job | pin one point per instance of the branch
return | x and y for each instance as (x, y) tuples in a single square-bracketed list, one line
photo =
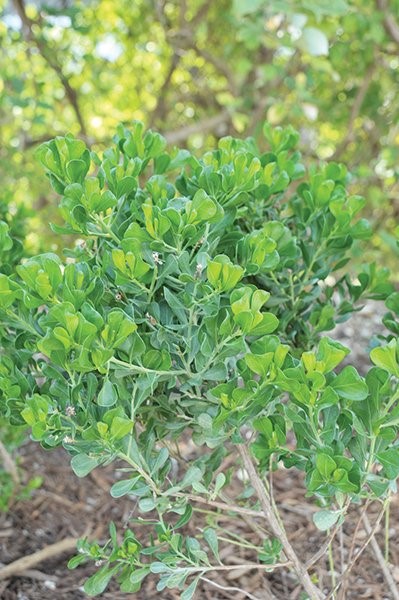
[(159, 110), (390, 25), (203, 126), (49, 57), (356, 107), (201, 13), (274, 523), (220, 65)]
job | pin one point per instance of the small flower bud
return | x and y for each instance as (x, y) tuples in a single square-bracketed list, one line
[(151, 319), (68, 440), (198, 270), (157, 260), (70, 411)]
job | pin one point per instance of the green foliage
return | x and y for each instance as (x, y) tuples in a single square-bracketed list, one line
[(200, 70), (195, 306)]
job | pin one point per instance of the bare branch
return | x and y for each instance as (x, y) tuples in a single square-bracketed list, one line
[(219, 65), (160, 108), (274, 523), (201, 13), (234, 589)]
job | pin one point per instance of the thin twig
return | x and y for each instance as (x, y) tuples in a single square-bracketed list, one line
[(223, 505), (302, 574), (352, 549), (247, 567), (357, 556), (235, 589), (379, 556), (323, 548), (328, 541)]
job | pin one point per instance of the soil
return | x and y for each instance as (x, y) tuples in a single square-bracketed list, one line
[(66, 506)]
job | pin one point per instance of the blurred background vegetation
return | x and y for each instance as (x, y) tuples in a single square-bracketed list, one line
[(198, 70)]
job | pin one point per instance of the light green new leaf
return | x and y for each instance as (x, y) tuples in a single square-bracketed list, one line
[(385, 357)]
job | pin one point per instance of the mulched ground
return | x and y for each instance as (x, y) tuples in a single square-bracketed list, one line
[(67, 506)]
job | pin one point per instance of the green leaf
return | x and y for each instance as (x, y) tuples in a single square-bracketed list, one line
[(186, 516), (77, 560), (82, 464), (325, 519), (121, 427), (193, 475), (385, 357), (390, 461), (259, 363), (147, 504), (123, 487), (97, 583), (211, 539), (325, 465), (107, 395), (76, 170), (349, 385), (314, 41), (331, 353), (268, 324), (159, 567), (139, 574), (190, 591)]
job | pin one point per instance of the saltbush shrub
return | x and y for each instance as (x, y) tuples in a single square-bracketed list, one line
[(183, 330)]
